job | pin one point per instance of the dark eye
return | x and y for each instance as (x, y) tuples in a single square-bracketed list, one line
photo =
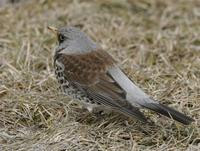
[(61, 38)]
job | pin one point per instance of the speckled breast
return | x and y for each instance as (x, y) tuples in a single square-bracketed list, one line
[(65, 85)]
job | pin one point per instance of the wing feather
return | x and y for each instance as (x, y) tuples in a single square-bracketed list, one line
[(89, 72)]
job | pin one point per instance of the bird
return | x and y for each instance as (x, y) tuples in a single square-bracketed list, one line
[(89, 74)]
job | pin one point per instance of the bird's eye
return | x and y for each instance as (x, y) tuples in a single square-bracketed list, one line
[(61, 38)]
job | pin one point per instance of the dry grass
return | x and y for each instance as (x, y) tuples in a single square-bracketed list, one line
[(156, 42)]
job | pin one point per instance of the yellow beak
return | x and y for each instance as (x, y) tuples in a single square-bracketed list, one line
[(53, 29)]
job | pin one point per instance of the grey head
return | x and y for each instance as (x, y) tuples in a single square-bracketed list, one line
[(73, 41)]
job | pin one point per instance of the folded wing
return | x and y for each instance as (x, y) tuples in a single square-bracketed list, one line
[(89, 74)]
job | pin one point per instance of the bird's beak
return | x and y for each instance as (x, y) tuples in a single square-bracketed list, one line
[(53, 29)]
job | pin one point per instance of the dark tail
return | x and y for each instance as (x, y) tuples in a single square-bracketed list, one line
[(169, 112)]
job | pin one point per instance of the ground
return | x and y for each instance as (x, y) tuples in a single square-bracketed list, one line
[(155, 42)]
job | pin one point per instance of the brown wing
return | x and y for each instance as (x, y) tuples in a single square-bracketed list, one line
[(86, 69), (89, 73)]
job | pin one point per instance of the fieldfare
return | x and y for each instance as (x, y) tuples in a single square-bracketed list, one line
[(90, 75)]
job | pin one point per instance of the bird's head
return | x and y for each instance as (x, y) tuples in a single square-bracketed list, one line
[(72, 40)]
